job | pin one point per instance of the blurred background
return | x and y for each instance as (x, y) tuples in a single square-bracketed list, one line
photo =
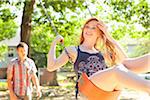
[(26, 20)]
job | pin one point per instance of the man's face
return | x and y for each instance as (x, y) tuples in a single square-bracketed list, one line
[(22, 52)]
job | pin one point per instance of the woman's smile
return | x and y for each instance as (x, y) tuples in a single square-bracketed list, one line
[(88, 33)]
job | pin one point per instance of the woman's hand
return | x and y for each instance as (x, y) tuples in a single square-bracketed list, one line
[(59, 39), (103, 28)]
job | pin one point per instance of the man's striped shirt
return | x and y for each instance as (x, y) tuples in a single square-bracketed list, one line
[(21, 75)]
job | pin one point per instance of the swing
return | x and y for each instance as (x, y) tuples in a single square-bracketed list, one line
[(86, 87)]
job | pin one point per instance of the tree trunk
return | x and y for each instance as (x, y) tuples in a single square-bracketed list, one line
[(26, 22), (26, 32), (48, 78)]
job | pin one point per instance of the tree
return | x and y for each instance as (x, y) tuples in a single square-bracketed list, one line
[(26, 21)]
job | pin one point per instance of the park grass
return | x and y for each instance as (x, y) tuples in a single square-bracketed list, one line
[(3, 86)]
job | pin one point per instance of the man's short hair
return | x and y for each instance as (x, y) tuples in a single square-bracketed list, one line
[(23, 45)]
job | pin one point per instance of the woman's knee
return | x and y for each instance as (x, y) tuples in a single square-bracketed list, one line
[(148, 88), (119, 69)]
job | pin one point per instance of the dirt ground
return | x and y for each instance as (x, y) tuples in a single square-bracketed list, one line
[(67, 93)]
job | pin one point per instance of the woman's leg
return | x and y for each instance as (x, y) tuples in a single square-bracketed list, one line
[(119, 77), (82, 97)]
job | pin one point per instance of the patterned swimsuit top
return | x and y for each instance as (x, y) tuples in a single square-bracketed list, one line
[(89, 63)]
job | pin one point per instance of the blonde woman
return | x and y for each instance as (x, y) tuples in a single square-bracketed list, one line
[(99, 57)]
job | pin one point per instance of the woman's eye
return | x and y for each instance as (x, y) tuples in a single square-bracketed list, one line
[(93, 28), (87, 27)]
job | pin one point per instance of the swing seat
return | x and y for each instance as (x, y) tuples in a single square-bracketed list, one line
[(92, 92)]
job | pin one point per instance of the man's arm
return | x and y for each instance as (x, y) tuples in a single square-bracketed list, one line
[(10, 86), (35, 81)]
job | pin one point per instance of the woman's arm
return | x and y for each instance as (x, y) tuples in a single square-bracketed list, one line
[(139, 65), (55, 63), (103, 27)]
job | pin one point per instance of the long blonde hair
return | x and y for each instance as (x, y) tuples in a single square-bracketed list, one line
[(110, 52)]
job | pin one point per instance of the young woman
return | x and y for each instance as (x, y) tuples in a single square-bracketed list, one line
[(99, 56)]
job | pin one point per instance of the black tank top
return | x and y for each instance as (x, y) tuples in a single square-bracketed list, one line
[(89, 63)]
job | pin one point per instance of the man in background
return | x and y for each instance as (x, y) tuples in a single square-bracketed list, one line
[(20, 72)]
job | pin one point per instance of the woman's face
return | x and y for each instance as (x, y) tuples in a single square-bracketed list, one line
[(91, 30)]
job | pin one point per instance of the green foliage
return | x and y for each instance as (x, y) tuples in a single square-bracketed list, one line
[(124, 10), (43, 35), (8, 26), (130, 13), (7, 29), (3, 50), (125, 18), (6, 14), (66, 22), (40, 42), (40, 58), (141, 49), (61, 5), (41, 38)]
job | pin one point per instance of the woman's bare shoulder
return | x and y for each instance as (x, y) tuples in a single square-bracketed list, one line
[(72, 50)]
